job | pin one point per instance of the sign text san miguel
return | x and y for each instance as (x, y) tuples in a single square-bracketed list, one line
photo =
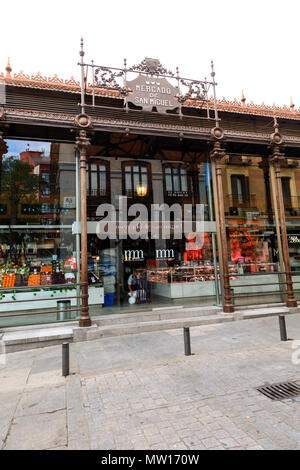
[(149, 93)]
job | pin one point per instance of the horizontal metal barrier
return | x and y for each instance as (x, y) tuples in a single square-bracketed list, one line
[(278, 274), (22, 314)]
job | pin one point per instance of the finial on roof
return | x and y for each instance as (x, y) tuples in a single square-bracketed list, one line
[(243, 99), (81, 52), (8, 69), (213, 73), (292, 106)]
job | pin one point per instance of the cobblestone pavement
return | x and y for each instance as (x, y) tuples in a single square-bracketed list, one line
[(141, 392)]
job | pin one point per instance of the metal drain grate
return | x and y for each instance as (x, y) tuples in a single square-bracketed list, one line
[(280, 391)]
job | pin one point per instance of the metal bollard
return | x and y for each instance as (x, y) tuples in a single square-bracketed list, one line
[(187, 341), (232, 296), (282, 327), (65, 359)]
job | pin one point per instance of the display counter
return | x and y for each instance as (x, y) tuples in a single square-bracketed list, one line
[(183, 281), (199, 281), (183, 289)]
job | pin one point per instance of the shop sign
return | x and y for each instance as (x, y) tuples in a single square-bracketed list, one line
[(165, 254), (138, 255), (133, 255), (193, 255), (148, 93), (178, 193), (293, 239), (70, 202)]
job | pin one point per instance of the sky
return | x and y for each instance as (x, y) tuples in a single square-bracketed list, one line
[(17, 146), (254, 44)]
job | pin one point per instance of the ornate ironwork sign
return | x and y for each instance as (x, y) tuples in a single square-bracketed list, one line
[(149, 93), (149, 86)]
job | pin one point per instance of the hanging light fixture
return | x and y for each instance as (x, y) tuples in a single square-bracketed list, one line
[(141, 189)]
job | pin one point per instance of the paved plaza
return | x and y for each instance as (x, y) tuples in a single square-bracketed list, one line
[(141, 392)]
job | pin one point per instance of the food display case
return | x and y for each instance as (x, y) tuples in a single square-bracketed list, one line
[(183, 281)]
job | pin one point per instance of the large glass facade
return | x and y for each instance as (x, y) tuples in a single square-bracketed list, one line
[(161, 269), (291, 195), (253, 227), (38, 263), (167, 260), (40, 240)]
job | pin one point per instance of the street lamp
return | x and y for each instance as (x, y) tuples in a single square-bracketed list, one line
[(141, 190)]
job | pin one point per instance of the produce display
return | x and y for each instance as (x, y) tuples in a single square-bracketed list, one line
[(34, 280), (36, 274), (9, 280)]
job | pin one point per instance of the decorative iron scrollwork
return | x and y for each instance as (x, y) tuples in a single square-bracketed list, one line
[(152, 67), (196, 91), (106, 78), (153, 89)]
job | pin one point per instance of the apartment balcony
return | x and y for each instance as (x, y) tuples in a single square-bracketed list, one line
[(236, 204), (96, 192), (292, 206)]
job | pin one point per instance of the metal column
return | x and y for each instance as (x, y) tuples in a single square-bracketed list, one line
[(216, 155), (78, 290), (213, 235), (275, 161)]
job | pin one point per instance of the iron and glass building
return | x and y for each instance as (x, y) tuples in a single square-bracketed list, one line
[(69, 148)]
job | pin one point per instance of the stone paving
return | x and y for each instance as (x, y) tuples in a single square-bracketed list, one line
[(141, 392)]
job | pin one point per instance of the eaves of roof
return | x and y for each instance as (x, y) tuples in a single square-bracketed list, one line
[(57, 84)]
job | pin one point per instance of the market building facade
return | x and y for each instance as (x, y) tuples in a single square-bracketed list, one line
[(140, 139)]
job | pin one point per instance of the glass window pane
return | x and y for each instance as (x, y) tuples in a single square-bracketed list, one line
[(144, 179), (94, 167), (168, 183), (128, 169), (94, 184), (136, 180), (102, 182), (45, 177), (184, 183), (176, 183), (144, 169), (102, 168), (128, 182), (168, 170)]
